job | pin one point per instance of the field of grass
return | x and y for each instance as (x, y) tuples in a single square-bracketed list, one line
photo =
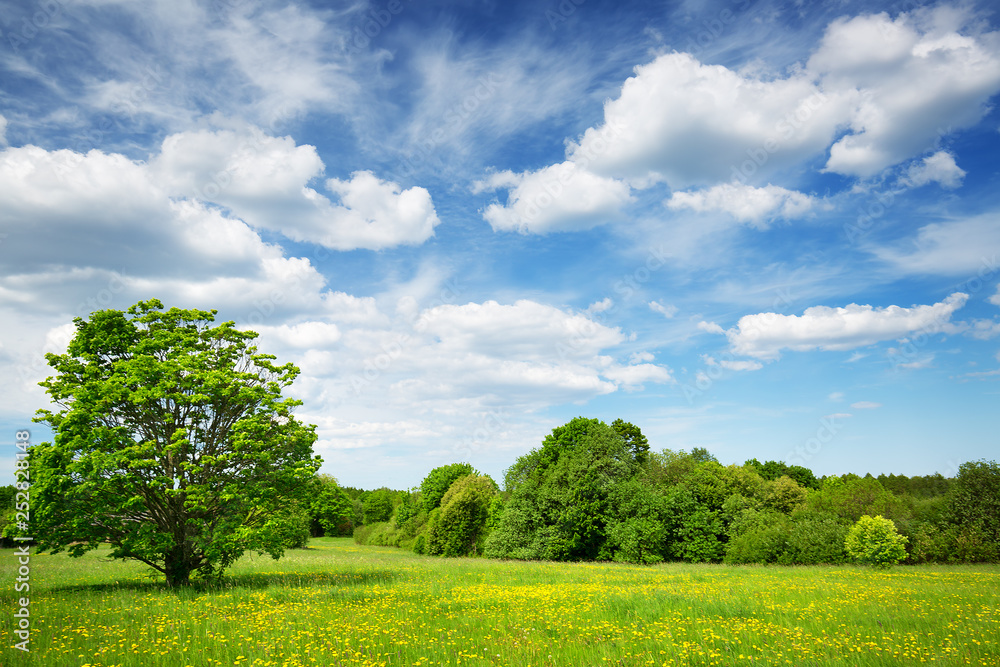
[(340, 604)]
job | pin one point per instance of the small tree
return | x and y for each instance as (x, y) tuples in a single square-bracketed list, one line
[(330, 508), (173, 444), (465, 511), (874, 541)]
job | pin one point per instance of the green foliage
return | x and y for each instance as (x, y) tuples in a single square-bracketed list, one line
[(851, 497), (696, 531), (702, 455), (633, 437), (408, 508), (974, 502), (920, 486), (330, 508), (8, 527), (172, 443), (783, 494), (814, 538), (291, 526), (769, 536), (638, 533), (465, 511), (772, 470), (874, 541), (757, 536), (376, 506), (559, 504), (667, 468), (439, 480), (706, 483)]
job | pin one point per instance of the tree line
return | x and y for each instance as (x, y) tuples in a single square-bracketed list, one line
[(595, 492)]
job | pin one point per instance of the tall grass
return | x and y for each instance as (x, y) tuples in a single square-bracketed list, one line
[(337, 603)]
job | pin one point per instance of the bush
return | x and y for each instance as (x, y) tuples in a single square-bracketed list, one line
[(814, 538), (760, 545), (767, 536), (874, 541), (464, 513), (361, 533), (559, 506), (695, 531)]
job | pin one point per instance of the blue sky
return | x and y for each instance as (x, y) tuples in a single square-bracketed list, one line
[(768, 229)]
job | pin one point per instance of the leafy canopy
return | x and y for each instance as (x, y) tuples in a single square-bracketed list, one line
[(439, 480), (172, 443)]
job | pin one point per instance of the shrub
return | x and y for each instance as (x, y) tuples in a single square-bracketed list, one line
[(814, 538), (874, 541), (463, 516), (760, 545), (361, 533)]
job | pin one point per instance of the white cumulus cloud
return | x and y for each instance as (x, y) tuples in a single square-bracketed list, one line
[(560, 197), (745, 203), (765, 335), (891, 119), (937, 168), (263, 180)]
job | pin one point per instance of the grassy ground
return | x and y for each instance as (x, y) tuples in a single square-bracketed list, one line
[(340, 604)]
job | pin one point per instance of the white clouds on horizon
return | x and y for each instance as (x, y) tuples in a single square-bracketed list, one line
[(765, 335)]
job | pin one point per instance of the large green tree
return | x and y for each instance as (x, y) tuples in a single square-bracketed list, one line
[(172, 443), (560, 495)]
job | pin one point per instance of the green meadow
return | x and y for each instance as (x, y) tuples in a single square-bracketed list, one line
[(337, 603)]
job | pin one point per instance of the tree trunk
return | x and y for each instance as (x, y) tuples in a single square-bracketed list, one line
[(178, 566)]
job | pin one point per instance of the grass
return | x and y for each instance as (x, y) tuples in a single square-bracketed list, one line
[(341, 604)]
